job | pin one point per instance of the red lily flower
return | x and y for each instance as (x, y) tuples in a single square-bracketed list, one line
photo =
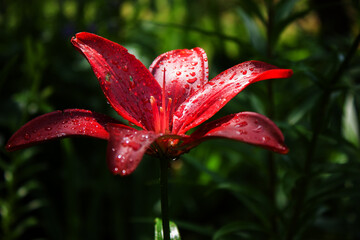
[(166, 101)]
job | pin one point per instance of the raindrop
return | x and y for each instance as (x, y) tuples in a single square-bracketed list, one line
[(193, 74), (232, 76), (108, 77), (123, 171), (125, 68), (191, 80), (178, 73), (242, 124), (132, 84), (258, 129), (244, 72), (48, 129), (211, 83), (194, 63), (27, 136), (241, 132), (179, 114)]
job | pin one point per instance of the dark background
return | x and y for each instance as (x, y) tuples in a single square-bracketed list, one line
[(222, 190)]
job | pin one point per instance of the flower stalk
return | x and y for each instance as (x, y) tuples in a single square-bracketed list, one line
[(164, 196)]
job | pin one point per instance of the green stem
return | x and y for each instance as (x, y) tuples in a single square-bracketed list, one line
[(164, 196)]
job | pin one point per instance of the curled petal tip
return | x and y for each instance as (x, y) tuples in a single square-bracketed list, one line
[(283, 149)]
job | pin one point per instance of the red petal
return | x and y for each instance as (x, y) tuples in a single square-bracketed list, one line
[(126, 82), (127, 147), (208, 100), (248, 127), (59, 124), (186, 70)]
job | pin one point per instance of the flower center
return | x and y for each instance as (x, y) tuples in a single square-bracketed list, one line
[(162, 114)]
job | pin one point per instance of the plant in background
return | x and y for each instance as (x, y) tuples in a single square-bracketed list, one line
[(161, 104)]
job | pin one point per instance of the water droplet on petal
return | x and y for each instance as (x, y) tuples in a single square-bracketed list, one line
[(125, 68), (48, 129), (265, 139), (244, 72), (108, 77), (27, 136), (192, 73), (191, 80), (258, 129), (178, 73), (241, 124)]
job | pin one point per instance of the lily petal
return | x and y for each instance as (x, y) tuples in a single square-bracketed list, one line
[(126, 82), (208, 100), (126, 148), (184, 71), (249, 127), (60, 124)]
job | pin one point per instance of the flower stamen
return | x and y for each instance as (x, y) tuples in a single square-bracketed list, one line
[(155, 111)]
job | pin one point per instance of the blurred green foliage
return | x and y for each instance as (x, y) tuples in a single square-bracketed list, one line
[(223, 190)]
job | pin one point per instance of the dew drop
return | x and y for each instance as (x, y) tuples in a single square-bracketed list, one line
[(48, 129), (193, 74), (132, 84), (258, 129), (194, 63), (179, 114), (241, 124), (178, 73), (244, 72), (192, 80), (232, 76), (108, 77), (125, 68), (27, 136), (241, 132), (123, 171)]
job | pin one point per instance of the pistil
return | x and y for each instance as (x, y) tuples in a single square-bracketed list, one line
[(163, 109)]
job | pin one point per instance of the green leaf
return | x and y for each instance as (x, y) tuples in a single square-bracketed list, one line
[(174, 231), (284, 9), (254, 32), (236, 227), (350, 121)]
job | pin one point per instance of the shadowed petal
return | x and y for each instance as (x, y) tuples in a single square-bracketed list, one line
[(59, 124), (125, 81), (186, 70), (248, 127), (126, 148), (208, 100)]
